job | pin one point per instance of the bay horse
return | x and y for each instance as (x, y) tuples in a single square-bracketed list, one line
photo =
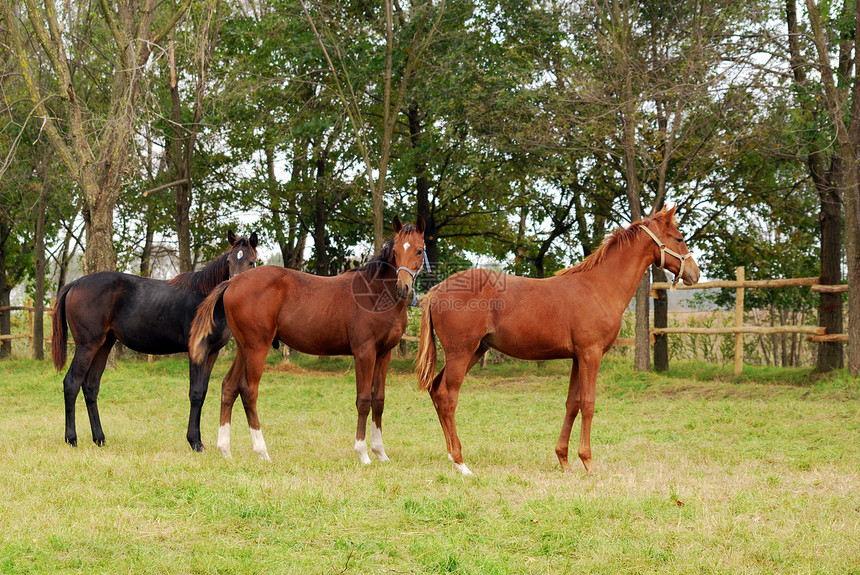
[(361, 312), (575, 314), (146, 315)]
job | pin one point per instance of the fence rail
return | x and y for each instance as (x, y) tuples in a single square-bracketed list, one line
[(29, 335), (815, 334)]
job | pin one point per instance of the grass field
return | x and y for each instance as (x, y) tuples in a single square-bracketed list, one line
[(698, 473)]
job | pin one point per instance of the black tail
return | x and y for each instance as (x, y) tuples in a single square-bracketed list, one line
[(60, 335)]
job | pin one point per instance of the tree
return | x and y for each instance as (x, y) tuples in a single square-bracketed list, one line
[(839, 99), (89, 114)]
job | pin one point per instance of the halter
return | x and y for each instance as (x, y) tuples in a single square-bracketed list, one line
[(418, 271), (664, 249), (415, 273)]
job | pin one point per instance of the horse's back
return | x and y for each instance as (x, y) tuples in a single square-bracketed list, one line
[(310, 313), (521, 317), (146, 315)]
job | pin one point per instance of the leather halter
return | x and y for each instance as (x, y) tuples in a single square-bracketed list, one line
[(418, 271), (664, 249)]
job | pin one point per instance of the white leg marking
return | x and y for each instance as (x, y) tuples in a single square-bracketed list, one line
[(361, 450), (224, 440), (259, 444), (376, 442), (461, 467)]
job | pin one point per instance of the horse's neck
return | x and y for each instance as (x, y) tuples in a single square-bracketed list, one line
[(621, 271)]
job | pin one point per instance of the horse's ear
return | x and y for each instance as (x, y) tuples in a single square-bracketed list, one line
[(397, 224), (253, 240), (420, 224), (670, 212), (231, 237)]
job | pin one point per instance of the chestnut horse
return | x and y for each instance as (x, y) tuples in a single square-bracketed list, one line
[(146, 315), (576, 314), (361, 313)]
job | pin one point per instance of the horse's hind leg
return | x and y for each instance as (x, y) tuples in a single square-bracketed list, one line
[(255, 359), (377, 405), (72, 382), (91, 385), (445, 393)]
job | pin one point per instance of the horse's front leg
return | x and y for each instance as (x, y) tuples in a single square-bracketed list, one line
[(198, 376), (377, 404), (589, 365), (365, 359)]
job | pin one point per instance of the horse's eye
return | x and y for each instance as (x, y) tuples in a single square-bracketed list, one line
[(420, 252)]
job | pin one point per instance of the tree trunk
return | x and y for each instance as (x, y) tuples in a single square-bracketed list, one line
[(321, 215), (852, 252), (642, 353), (830, 354), (39, 288), (98, 222), (422, 197), (64, 260), (5, 291), (146, 253), (661, 319)]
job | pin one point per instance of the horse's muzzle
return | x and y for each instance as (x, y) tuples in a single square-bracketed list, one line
[(402, 290)]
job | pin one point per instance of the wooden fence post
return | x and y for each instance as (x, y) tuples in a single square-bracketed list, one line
[(739, 322), (31, 313)]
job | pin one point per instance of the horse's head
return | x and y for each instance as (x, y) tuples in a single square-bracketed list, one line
[(409, 256), (243, 253), (670, 251)]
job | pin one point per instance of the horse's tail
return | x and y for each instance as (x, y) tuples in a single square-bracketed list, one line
[(60, 335), (426, 365), (201, 327)]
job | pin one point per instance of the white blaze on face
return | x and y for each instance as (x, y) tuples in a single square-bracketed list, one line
[(406, 247), (240, 255)]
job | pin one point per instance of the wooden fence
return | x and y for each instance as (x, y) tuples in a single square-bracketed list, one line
[(31, 313), (814, 333)]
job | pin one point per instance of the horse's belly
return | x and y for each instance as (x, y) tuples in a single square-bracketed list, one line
[(532, 349), (316, 342)]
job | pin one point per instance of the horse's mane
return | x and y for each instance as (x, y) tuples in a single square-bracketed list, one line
[(205, 280), (619, 237), (385, 256)]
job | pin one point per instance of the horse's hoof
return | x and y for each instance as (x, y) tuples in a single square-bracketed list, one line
[(382, 457), (72, 441), (99, 442), (198, 447)]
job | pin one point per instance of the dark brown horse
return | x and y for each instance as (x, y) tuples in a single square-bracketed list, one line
[(576, 314), (361, 313), (146, 315)]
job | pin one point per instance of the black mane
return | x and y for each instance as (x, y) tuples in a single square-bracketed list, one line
[(205, 280), (385, 257)]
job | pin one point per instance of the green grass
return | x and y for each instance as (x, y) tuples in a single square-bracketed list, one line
[(699, 472)]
